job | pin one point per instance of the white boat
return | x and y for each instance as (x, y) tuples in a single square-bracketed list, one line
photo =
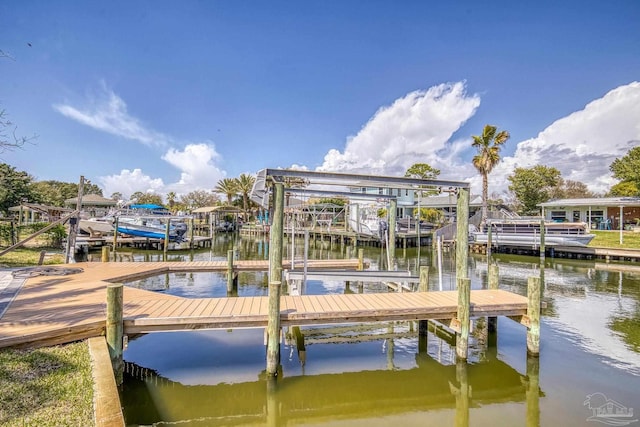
[(97, 226), (151, 221), (150, 227), (526, 233), (364, 219)]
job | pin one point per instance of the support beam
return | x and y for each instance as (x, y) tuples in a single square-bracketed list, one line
[(39, 232)]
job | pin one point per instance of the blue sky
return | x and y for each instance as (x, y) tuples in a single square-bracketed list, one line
[(173, 96)]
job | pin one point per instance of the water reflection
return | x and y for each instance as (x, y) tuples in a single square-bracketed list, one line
[(395, 373), (429, 391)]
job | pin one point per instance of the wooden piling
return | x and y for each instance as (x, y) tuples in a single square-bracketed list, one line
[(273, 329), (462, 234), (489, 242), (230, 271), (360, 259), (166, 236), (105, 254), (462, 337), (542, 241), (115, 328), (115, 236), (41, 259), (393, 209), (276, 234), (533, 313)]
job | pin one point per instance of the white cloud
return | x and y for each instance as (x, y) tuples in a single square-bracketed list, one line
[(416, 126), (129, 182), (198, 165), (109, 114), (583, 144)]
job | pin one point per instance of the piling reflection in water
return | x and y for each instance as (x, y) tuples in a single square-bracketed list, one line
[(431, 390)]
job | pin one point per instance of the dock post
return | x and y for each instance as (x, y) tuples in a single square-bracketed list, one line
[(166, 236), (533, 313), (115, 236), (393, 212), (105, 254), (229, 271), (489, 242), (542, 242), (493, 284), (41, 259), (360, 259), (462, 233), (276, 234), (273, 329), (462, 337), (191, 227), (115, 328)]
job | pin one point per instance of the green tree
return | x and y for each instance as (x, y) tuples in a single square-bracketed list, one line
[(15, 187), (54, 193), (569, 189), (624, 189), (199, 199), (228, 187), (627, 168), (171, 199), (244, 185), (532, 186), (422, 171), (116, 196), (488, 146), (140, 198)]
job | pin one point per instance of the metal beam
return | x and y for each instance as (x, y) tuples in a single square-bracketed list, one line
[(357, 180)]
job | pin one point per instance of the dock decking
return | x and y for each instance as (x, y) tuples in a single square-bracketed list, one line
[(57, 309)]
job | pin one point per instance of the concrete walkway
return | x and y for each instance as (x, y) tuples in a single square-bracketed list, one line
[(9, 288)]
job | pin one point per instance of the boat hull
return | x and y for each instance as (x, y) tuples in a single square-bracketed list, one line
[(498, 239)]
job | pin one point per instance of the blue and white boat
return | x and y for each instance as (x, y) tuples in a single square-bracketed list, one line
[(150, 221)]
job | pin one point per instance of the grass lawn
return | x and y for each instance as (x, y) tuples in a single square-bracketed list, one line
[(611, 239), (23, 257), (49, 386)]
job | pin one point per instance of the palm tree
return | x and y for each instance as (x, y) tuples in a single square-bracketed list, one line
[(488, 146), (244, 185), (228, 187)]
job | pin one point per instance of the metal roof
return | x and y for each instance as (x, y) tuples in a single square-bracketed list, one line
[(596, 201)]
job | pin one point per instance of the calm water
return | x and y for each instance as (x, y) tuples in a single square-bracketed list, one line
[(382, 374)]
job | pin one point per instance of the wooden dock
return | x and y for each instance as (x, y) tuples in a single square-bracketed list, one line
[(63, 308)]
